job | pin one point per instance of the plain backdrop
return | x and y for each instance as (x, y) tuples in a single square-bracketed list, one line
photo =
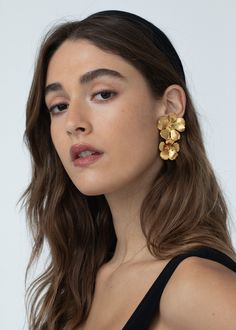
[(203, 33)]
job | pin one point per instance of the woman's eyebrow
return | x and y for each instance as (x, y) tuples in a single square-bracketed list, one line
[(86, 78), (54, 87), (91, 75)]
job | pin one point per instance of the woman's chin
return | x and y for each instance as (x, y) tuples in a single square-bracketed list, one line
[(91, 192), (94, 189), (91, 189)]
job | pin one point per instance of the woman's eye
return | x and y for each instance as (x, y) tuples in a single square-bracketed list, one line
[(104, 95), (56, 108)]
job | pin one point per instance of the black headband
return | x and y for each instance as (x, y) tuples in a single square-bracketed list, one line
[(158, 37)]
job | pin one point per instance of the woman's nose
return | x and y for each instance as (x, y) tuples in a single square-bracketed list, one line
[(77, 120)]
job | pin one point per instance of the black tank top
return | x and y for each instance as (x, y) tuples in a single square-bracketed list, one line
[(143, 315)]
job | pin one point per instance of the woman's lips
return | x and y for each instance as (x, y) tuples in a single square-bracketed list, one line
[(79, 160), (85, 161)]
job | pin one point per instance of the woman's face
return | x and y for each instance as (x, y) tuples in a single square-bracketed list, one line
[(100, 102)]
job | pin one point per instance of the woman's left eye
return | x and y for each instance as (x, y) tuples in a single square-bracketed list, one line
[(104, 95)]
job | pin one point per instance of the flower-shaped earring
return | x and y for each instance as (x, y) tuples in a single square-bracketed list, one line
[(169, 127)]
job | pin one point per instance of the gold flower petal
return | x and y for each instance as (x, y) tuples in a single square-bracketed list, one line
[(162, 123), (161, 146), (174, 135), (164, 154), (173, 156), (176, 145), (172, 117), (172, 153), (180, 124), (165, 134), (170, 141)]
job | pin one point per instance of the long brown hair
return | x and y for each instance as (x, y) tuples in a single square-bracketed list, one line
[(184, 208)]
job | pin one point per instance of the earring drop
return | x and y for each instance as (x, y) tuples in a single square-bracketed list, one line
[(170, 127)]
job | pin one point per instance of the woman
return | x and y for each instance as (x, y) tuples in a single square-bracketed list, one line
[(122, 190)]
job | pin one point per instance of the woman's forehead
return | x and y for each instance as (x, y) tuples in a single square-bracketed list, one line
[(82, 56)]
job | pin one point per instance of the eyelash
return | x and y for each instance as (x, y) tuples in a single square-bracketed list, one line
[(59, 105), (64, 106), (105, 91)]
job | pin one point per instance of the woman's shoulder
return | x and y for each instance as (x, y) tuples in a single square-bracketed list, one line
[(201, 294)]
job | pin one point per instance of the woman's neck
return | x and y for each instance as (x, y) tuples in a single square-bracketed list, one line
[(125, 208)]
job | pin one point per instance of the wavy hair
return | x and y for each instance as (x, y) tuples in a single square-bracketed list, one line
[(183, 209)]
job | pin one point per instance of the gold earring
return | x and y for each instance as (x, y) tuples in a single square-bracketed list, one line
[(169, 127)]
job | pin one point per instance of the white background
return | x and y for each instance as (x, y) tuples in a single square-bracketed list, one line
[(203, 33)]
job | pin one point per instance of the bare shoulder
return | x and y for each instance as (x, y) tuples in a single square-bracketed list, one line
[(201, 294)]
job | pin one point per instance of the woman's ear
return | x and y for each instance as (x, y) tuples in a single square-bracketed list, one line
[(173, 100)]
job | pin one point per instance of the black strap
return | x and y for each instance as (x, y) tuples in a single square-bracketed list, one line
[(143, 314)]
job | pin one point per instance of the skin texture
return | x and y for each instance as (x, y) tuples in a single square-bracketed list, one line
[(123, 126)]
